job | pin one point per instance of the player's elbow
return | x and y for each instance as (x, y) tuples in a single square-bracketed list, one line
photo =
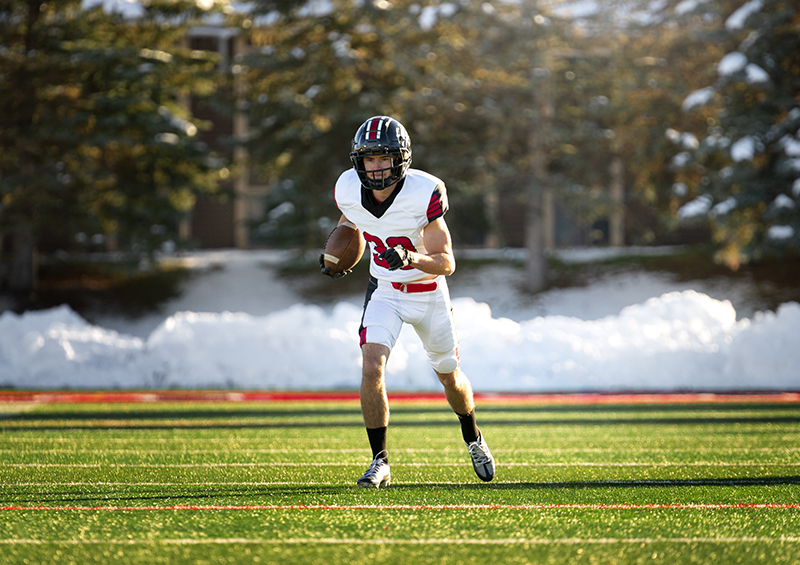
[(437, 264), (449, 266)]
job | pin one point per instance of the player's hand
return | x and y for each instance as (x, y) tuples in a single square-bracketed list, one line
[(397, 257), (325, 270)]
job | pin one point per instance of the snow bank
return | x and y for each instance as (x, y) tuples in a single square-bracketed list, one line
[(679, 341)]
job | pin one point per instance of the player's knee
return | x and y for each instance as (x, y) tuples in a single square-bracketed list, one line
[(372, 371), (448, 380), (373, 362)]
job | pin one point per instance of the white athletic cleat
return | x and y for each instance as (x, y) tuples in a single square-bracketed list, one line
[(377, 475), (482, 460)]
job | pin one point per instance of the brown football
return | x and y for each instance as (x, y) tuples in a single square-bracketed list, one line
[(344, 248)]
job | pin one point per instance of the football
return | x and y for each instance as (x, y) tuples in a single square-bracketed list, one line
[(343, 248)]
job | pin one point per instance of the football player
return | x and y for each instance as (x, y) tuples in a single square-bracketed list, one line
[(400, 212)]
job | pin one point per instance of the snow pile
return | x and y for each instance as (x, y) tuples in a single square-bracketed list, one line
[(679, 341), (57, 348)]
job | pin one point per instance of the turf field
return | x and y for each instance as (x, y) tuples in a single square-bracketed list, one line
[(260, 478)]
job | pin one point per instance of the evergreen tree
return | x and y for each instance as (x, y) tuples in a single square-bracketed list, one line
[(94, 136), (619, 91), (746, 169)]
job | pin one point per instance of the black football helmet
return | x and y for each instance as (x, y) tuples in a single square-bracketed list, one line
[(381, 135)]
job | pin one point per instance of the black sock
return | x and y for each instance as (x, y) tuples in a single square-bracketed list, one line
[(469, 429), (377, 441)]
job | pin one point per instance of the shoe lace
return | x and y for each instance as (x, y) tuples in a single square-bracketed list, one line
[(373, 468), (478, 454)]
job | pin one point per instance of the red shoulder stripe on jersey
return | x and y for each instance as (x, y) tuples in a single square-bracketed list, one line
[(435, 207)]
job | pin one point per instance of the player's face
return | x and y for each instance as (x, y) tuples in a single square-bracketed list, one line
[(381, 164)]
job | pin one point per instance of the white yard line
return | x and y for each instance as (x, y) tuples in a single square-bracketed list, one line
[(359, 463), (427, 541), (176, 484), (381, 507), (415, 450), (638, 482), (676, 439)]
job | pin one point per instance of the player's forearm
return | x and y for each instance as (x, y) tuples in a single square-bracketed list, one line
[(435, 263)]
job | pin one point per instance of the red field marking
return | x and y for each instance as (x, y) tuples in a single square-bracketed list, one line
[(413, 507), (115, 397)]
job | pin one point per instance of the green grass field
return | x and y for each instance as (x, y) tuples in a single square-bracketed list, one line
[(273, 482)]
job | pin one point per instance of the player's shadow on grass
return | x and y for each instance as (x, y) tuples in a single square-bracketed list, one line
[(557, 485), (623, 484), (330, 494)]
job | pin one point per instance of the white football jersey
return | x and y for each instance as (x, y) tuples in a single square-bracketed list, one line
[(399, 220)]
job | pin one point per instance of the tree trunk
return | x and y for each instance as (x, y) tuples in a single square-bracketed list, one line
[(22, 279), (536, 267), (535, 220), (616, 224)]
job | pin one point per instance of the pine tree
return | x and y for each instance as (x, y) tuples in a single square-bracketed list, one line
[(94, 136), (748, 159)]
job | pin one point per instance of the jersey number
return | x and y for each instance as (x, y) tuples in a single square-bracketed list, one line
[(390, 242)]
